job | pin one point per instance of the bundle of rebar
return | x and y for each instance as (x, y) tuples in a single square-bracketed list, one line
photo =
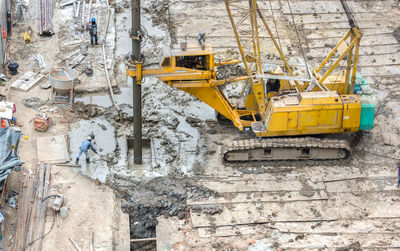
[(46, 17)]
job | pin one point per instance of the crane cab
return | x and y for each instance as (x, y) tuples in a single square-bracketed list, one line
[(190, 64)]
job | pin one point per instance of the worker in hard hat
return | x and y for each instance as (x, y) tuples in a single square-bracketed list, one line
[(86, 144), (93, 30)]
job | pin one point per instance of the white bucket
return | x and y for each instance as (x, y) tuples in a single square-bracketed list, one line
[(84, 49)]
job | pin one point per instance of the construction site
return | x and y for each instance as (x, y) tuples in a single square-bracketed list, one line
[(200, 125)]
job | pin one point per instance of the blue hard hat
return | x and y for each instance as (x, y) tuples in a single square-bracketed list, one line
[(93, 19)]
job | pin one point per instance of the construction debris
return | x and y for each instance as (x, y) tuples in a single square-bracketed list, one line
[(27, 81), (39, 62), (67, 2)]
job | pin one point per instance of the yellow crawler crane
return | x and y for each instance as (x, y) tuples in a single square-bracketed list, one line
[(274, 103)]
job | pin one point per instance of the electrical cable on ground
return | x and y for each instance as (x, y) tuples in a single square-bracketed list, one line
[(43, 236)]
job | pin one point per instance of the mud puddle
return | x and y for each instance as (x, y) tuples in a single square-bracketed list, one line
[(104, 100), (100, 99), (104, 143)]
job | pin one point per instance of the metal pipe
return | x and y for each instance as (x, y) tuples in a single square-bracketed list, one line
[(143, 239), (89, 14), (108, 79), (137, 90)]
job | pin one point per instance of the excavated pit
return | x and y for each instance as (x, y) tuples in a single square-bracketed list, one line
[(173, 147)]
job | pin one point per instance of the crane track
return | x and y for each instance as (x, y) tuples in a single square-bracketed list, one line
[(286, 151)]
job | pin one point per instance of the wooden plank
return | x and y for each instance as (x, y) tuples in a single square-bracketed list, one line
[(75, 244), (340, 206), (25, 206), (230, 186), (368, 225), (316, 173), (375, 50), (357, 226), (367, 241), (43, 209), (245, 213), (17, 245), (29, 203), (70, 164), (91, 241), (366, 41), (143, 239), (362, 185), (252, 197), (31, 235), (52, 149)]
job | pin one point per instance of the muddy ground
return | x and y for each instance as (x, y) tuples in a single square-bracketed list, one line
[(183, 186)]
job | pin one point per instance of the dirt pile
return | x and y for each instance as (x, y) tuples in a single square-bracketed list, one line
[(230, 71), (87, 111)]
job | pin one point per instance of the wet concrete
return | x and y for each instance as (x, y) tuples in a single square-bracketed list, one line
[(100, 99), (104, 143), (103, 98)]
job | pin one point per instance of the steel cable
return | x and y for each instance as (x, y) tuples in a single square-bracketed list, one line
[(298, 37)]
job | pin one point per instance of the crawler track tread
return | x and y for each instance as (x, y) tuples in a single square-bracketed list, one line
[(300, 142)]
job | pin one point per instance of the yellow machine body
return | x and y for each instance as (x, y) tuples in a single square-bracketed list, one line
[(311, 113), (321, 105), (315, 112)]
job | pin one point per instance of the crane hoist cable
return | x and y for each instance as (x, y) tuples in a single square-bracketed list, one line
[(276, 27), (298, 38)]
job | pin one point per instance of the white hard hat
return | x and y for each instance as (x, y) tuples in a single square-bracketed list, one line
[(89, 138)]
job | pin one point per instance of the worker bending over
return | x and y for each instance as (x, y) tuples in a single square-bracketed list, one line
[(93, 30), (86, 144)]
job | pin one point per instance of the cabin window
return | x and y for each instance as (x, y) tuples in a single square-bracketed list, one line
[(166, 62), (192, 62), (273, 85)]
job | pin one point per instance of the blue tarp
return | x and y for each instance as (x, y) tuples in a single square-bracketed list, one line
[(9, 159)]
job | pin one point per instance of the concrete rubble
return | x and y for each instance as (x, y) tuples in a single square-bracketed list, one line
[(183, 194)]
